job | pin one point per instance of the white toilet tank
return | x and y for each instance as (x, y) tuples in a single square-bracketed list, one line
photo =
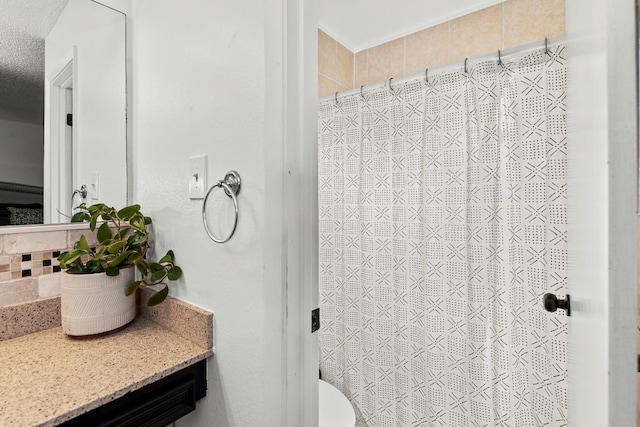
[(334, 408)]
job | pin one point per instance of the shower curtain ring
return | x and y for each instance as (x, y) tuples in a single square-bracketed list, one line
[(499, 58), (426, 75), (336, 98), (390, 88), (465, 66), (361, 95)]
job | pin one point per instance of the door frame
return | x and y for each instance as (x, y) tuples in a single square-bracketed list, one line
[(602, 189), (291, 47), (58, 182)]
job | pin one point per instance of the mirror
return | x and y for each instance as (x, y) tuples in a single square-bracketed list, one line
[(62, 108)]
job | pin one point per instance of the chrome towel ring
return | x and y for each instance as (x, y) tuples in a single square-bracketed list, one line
[(231, 186)]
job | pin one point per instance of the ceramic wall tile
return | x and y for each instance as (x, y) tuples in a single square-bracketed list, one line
[(326, 86), (74, 236), (344, 64), (18, 291), (48, 285), (341, 88), (361, 69), (511, 23), (326, 55), (476, 34), (386, 61), (530, 20), (427, 48), (20, 243)]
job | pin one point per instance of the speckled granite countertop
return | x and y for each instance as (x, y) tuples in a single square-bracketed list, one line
[(47, 377)]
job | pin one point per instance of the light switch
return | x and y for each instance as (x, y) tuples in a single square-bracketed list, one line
[(94, 189), (197, 177)]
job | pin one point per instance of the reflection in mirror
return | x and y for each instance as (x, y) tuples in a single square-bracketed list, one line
[(62, 108)]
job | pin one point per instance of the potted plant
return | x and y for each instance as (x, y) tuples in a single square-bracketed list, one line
[(98, 286)]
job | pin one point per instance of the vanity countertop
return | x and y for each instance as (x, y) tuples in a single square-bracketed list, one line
[(47, 377)]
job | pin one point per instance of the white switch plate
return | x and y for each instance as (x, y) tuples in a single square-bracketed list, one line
[(94, 188), (197, 177)]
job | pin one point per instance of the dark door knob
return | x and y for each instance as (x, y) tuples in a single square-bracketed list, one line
[(552, 303)]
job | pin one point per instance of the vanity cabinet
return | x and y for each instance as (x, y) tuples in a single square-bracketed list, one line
[(150, 373), (155, 405)]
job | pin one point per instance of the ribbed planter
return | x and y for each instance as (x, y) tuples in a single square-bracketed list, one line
[(96, 303)]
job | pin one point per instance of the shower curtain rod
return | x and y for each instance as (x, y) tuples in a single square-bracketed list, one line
[(500, 55)]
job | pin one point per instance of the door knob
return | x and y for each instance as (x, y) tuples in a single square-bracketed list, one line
[(552, 303)]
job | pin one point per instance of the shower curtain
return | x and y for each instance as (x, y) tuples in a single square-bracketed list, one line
[(442, 224)]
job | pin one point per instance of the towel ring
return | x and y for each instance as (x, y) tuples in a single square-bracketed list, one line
[(231, 186)]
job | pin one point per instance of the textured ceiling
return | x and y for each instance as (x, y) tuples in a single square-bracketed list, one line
[(24, 24), (361, 24)]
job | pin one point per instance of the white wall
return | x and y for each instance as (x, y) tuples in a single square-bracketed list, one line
[(22, 152), (99, 96), (199, 88)]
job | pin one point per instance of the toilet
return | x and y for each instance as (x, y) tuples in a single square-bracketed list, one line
[(334, 409)]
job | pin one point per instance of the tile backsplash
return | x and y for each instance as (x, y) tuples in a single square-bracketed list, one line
[(28, 265), (28, 260)]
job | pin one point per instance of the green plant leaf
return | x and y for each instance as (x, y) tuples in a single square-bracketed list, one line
[(158, 297), (80, 217), (128, 212), (94, 220), (82, 244), (156, 267), (174, 273), (135, 256), (132, 287), (115, 247), (69, 257), (120, 258), (100, 252), (93, 265), (104, 233), (94, 208), (167, 258), (142, 267), (76, 270), (137, 221), (138, 238), (112, 271), (157, 276), (123, 233)]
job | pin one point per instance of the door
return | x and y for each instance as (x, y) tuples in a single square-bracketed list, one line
[(602, 170)]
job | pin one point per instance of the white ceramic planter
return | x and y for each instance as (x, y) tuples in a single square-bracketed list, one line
[(95, 303)]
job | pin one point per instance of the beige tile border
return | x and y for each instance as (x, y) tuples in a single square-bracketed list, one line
[(504, 25)]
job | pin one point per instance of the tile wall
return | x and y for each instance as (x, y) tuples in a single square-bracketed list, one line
[(28, 262), (508, 24), (28, 265)]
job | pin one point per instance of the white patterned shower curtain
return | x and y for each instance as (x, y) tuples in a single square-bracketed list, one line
[(442, 224)]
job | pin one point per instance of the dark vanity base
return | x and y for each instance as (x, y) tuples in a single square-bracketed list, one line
[(155, 405)]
